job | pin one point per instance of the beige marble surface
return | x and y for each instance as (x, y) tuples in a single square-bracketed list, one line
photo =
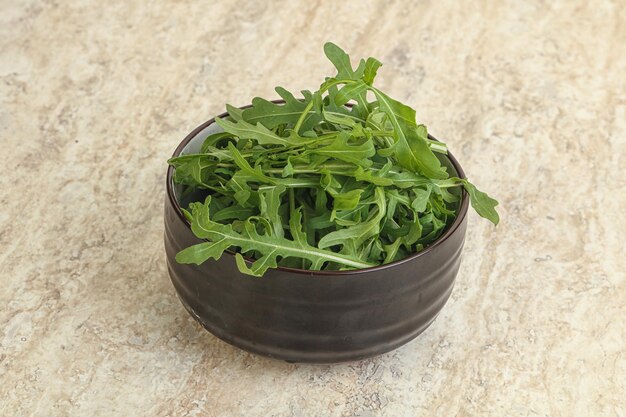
[(95, 95)]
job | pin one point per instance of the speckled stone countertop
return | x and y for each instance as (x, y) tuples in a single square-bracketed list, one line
[(94, 97)]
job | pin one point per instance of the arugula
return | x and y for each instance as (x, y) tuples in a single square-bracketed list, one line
[(312, 183), (269, 245)]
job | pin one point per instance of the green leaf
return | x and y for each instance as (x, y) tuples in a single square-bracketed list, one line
[(347, 200), (234, 212), (360, 69), (241, 162), (406, 179), (350, 122), (340, 119), (340, 60), (258, 132), (329, 106), (411, 149), (392, 250), (270, 205), (217, 153), (422, 196), (201, 252), (350, 92), (439, 206), (371, 68), (271, 115), (341, 149), (191, 169), (359, 233), (414, 232), (288, 169), (484, 205), (223, 236), (212, 139), (235, 113), (238, 183), (295, 227), (377, 178), (313, 183), (432, 226)]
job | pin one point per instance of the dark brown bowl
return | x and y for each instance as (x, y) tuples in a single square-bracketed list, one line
[(314, 316)]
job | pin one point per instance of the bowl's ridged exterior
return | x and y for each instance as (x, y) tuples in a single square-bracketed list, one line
[(314, 318), (311, 316)]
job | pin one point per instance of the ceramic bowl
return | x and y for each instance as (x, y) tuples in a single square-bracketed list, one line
[(312, 316)]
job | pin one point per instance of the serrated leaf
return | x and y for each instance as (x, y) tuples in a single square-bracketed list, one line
[(295, 227), (377, 178), (234, 212), (407, 179), (484, 205), (340, 119), (270, 205), (432, 226), (347, 200), (361, 232), (218, 153), (341, 149), (235, 113), (245, 167), (258, 132), (291, 181), (392, 250), (288, 169), (238, 183), (350, 122), (411, 149), (371, 68), (212, 139), (223, 236), (422, 197), (350, 92), (272, 115), (191, 169), (340, 60)]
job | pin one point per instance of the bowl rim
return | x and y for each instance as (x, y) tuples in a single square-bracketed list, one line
[(462, 213)]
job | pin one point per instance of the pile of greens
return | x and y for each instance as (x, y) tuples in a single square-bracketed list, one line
[(314, 183)]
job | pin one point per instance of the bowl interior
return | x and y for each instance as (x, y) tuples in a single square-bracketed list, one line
[(194, 146)]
